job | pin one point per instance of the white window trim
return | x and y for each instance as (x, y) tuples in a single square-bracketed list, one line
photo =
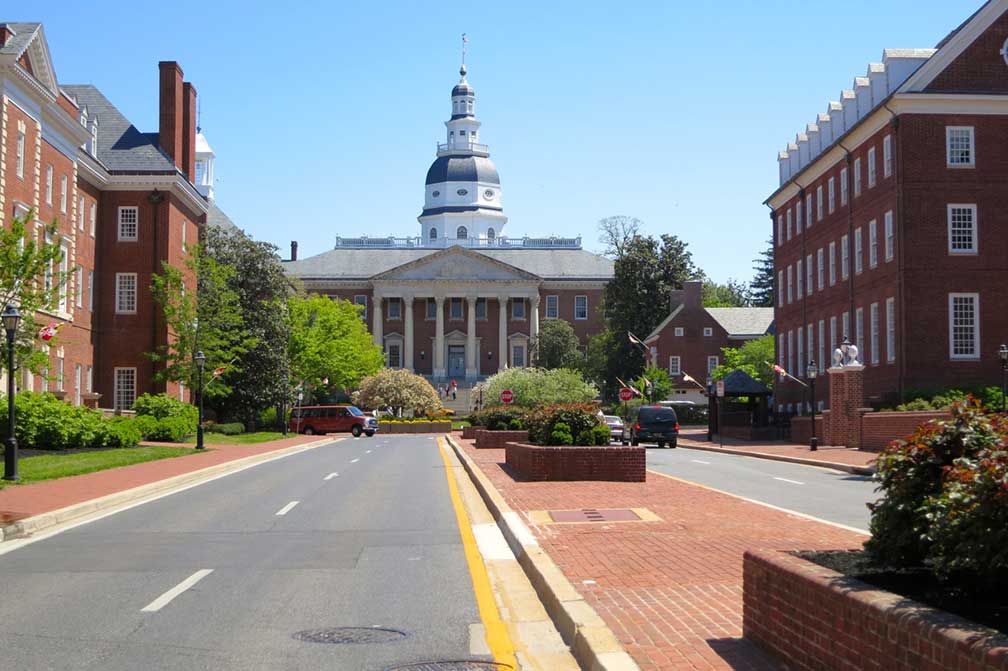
[(857, 177), (712, 358), (890, 235), (514, 303), (20, 155), (948, 147), (832, 263), (63, 194), (136, 224), (809, 273), (576, 299), (887, 156), (873, 327), (844, 257), (976, 331), (844, 186), (872, 167), (820, 269), (674, 371), (94, 218), (361, 299), (873, 243), (678, 331), (555, 300), (831, 191), (975, 233), (819, 203), (49, 184), (708, 332), (395, 300), (890, 304), (115, 386), (118, 294)]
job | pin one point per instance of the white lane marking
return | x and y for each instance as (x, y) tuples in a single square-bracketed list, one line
[(354, 461), (367, 451), (697, 461), (331, 476), (163, 600), (491, 542), (793, 482), (287, 508)]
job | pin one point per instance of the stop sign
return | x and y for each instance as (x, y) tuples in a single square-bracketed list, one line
[(506, 396), (625, 394)]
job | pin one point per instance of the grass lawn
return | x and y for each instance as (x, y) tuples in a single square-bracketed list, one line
[(241, 438), (460, 424), (61, 465)]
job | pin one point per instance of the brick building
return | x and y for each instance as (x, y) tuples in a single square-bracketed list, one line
[(462, 300), (689, 341), (890, 224), (124, 201)]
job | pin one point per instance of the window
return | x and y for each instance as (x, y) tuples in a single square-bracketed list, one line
[(708, 331), (517, 308), (859, 331), (481, 310), (90, 284), (890, 320), (552, 307), (790, 350), (890, 238), (361, 300), (872, 243), (124, 391), (64, 267), (808, 275), (873, 327), (780, 230), (19, 170), (844, 257), (960, 149), (431, 313), (872, 167), (395, 308), (78, 374), (80, 214), (394, 356), (128, 223), (185, 227), (712, 363), (455, 308), (674, 366), (887, 156), (790, 284), (518, 355), (780, 351), (59, 373), (433, 233), (126, 293), (808, 211), (94, 218), (63, 194), (79, 287), (820, 270), (962, 229), (846, 325), (798, 275), (857, 177), (834, 343), (491, 234), (810, 342), (48, 184), (823, 361), (580, 308), (799, 371), (90, 380), (964, 326), (843, 186), (831, 193), (798, 215), (461, 233), (780, 288), (832, 263), (789, 224), (678, 331), (819, 203)]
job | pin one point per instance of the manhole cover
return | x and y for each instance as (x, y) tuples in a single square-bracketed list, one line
[(594, 515), (345, 635), (452, 666)]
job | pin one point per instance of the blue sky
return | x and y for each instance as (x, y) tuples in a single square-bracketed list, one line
[(324, 116)]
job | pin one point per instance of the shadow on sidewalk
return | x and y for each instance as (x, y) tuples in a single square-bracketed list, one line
[(743, 655)]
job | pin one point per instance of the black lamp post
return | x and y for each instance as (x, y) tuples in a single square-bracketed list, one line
[(200, 362), (11, 318), (710, 409), (1003, 353), (811, 373)]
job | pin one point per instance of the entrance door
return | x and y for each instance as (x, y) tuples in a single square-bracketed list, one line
[(456, 360)]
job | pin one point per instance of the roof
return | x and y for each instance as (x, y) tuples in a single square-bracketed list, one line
[(556, 264), (23, 33), (121, 147), (216, 218), (462, 169), (743, 321), (741, 383)]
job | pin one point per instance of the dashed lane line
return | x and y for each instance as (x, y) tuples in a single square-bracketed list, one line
[(331, 476), (287, 508), (698, 461), (166, 598), (793, 482)]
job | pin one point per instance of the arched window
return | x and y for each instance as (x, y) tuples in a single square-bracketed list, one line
[(433, 234), (491, 234), (461, 233)]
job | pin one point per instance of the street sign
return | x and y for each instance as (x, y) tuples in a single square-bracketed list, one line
[(506, 396), (625, 394), (720, 388)]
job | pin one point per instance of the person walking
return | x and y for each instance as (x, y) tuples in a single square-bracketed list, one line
[(454, 389)]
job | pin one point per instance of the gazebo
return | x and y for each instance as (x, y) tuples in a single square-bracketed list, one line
[(739, 418)]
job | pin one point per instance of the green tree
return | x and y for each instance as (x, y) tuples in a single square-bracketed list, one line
[(734, 294), (31, 280), (661, 383), (762, 286), (400, 389), (557, 346), (330, 346), (209, 321), (595, 364), (537, 386), (752, 357)]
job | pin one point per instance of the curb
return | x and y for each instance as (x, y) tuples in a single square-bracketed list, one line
[(846, 468), (41, 522), (593, 644)]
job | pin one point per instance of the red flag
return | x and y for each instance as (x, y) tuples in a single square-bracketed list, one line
[(633, 339), (218, 371), (49, 332)]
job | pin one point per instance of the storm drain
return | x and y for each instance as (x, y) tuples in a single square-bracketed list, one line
[(350, 635), (594, 515), (460, 665)]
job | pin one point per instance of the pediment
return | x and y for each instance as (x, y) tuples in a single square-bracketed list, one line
[(456, 264), (33, 54)]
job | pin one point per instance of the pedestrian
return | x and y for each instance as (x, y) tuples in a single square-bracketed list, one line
[(454, 388)]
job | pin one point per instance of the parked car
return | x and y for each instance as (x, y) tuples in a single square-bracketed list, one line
[(312, 419), (652, 424), (615, 425)]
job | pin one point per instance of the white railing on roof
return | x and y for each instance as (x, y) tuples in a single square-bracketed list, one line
[(474, 147), (365, 242)]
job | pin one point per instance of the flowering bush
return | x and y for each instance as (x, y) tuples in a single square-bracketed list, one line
[(400, 389), (537, 386)]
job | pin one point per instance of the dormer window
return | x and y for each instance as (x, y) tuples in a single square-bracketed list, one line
[(461, 132), (94, 137), (433, 234)]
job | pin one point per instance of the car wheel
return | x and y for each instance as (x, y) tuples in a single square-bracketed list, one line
[(625, 443), (661, 444), (309, 431), (634, 442), (672, 444), (356, 431), (369, 433)]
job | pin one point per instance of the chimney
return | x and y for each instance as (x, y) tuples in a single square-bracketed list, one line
[(189, 130), (5, 34), (692, 292), (293, 250), (171, 119)]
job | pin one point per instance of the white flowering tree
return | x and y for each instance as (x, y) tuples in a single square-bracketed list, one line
[(399, 389)]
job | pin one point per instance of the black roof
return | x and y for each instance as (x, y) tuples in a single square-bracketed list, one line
[(459, 208), (741, 383), (462, 89), (462, 169)]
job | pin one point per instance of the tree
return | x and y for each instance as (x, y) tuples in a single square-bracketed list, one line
[(616, 232), (209, 321), (661, 383), (595, 362), (537, 386), (24, 260), (761, 289), (330, 346), (556, 346), (734, 294), (400, 389), (752, 357)]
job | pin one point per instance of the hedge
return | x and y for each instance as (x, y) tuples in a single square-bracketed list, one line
[(46, 423)]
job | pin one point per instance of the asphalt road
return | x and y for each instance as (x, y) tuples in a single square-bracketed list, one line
[(222, 575), (827, 494)]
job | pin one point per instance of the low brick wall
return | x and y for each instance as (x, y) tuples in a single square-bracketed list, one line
[(486, 439), (801, 430), (469, 432), (878, 429), (815, 619), (616, 464), (414, 427)]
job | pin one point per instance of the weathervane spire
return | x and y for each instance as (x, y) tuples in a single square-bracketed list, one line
[(465, 39)]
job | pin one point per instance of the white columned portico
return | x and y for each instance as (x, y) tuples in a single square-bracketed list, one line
[(407, 306), (502, 344), (472, 372), (376, 313), (533, 320), (439, 353)]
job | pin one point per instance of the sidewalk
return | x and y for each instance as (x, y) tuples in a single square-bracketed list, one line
[(670, 590), (840, 458), (22, 501)]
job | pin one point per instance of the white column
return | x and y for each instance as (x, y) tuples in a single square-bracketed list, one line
[(472, 372), (439, 365), (502, 344), (376, 313), (533, 320), (407, 306)]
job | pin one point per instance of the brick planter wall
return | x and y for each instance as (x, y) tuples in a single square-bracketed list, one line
[(498, 439), (878, 429), (469, 432), (616, 464), (801, 429), (818, 620)]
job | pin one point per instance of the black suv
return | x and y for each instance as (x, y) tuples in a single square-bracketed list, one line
[(652, 424)]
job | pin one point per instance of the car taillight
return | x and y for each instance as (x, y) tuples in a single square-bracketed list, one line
[(677, 426), (637, 427)]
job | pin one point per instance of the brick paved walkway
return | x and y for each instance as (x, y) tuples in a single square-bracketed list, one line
[(670, 590), (694, 437), (19, 501)]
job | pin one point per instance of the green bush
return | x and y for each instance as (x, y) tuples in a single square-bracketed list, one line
[(576, 419), (46, 423), (228, 429), (500, 418), (536, 386), (161, 406), (560, 435), (120, 432), (602, 434), (147, 425)]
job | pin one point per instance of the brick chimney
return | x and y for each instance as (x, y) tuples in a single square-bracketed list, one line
[(690, 296), (293, 250), (189, 130), (171, 119)]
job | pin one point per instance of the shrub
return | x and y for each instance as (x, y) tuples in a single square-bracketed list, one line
[(560, 435), (535, 386), (46, 423), (399, 388), (120, 432), (146, 425), (170, 429), (575, 417), (500, 418), (228, 429), (160, 406), (602, 434)]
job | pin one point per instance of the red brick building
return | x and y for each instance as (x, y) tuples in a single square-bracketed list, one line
[(124, 202), (689, 341), (890, 224)]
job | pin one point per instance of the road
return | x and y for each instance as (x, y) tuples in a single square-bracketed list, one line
[(356, 533), (830, 495)]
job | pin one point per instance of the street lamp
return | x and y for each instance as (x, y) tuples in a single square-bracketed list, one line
[(811, 373), (710, 409), (1003, 353), (11, 319), (200, 362)]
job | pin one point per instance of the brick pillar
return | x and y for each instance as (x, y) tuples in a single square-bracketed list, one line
[(846, 399), (855, 395)]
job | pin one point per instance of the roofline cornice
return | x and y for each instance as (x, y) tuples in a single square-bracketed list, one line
[(176, 184)]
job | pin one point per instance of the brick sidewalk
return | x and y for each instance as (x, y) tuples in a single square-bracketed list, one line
[(693, 437), (20, 501), (671, 590)]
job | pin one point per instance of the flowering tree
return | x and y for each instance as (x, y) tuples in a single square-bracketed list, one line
[(400, 389)]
